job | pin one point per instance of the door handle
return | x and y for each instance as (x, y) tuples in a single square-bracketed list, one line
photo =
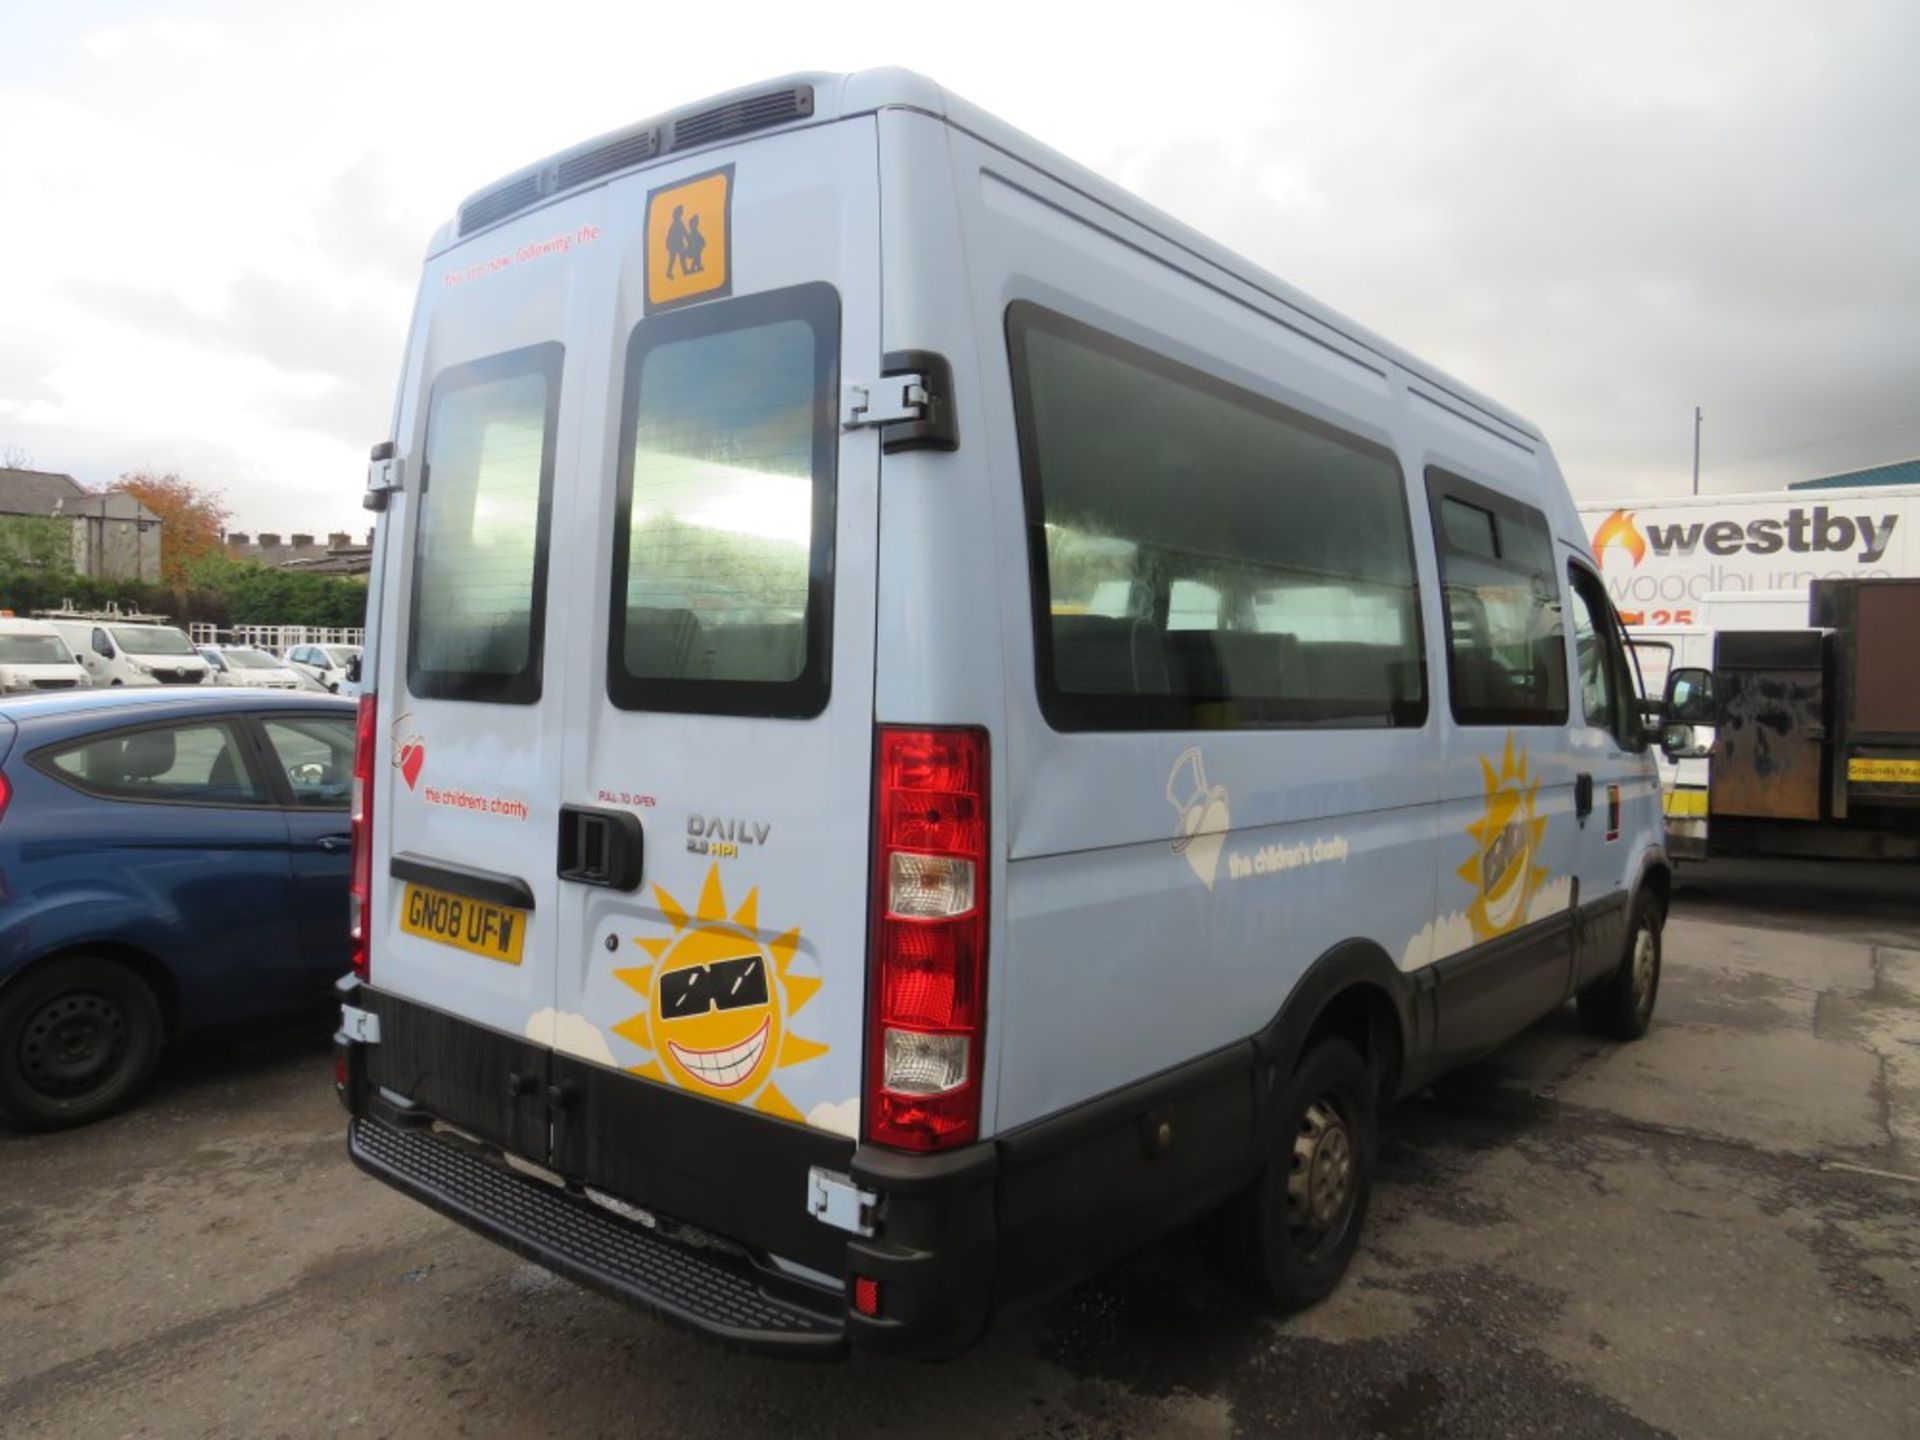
[(601, 847), (1582, 796), (331, 843)]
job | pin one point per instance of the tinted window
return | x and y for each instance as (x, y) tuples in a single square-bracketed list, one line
[(1506, 655), (723, 546), (1203, 556), (317, 754), (186, 764), (480, 542), (1606, 673)]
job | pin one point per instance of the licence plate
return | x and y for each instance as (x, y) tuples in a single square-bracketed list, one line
[(495, 931)]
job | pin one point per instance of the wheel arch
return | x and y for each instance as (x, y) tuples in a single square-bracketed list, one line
[(148, 967), (1355, 991)]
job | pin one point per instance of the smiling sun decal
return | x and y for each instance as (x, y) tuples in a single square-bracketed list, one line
[(1508, 834), (718, 1002)]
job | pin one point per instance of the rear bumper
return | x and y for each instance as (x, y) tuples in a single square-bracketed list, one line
[(727, 1246), (711, 1228), (722, 1295)]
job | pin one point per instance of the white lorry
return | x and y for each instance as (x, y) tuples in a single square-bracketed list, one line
[(1682, 570)]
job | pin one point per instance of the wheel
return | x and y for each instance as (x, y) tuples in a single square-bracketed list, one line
[(1621, 1006), (1297, 1226), (77, 1039)]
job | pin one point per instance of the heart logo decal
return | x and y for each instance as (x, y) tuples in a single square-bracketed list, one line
[(409, 749)]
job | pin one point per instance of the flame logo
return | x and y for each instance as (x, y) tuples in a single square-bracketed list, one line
[(1618, 529)]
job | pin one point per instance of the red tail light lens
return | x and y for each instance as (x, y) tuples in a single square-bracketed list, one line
[(6, 794), (360, 815), (928, 1022)]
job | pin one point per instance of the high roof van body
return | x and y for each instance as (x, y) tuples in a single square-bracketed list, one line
[(925, 723)]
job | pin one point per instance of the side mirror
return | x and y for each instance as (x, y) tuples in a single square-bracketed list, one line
[(353, 670), (1678, 742), (1690, 696), (102, 648)]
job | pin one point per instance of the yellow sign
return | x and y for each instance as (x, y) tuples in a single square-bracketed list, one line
[(1884, 772), (1686, 804), (690, 241), (494, 931)]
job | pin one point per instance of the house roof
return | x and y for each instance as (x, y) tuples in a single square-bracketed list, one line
[(50, 493), (1900, 472)]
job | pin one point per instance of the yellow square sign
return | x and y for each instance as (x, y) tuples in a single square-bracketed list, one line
[(690, 240)]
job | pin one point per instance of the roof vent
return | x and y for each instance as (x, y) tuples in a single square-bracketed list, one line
[(617, 154), (499, 202), (753, 112)]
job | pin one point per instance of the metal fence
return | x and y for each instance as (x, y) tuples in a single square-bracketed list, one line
[(277, 638)]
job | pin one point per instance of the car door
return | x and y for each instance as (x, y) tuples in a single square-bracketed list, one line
[(192, 855), (1612, 772), (310, 763)]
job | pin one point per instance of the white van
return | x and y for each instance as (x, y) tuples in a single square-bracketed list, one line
[(926, 723), (33, 657), (117, 652)]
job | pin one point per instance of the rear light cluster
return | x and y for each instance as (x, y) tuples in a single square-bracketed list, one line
[(6, 795), (360, 815), (930, 939)]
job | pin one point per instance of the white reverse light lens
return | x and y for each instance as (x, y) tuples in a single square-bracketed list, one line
[(919, 1064), (928, 887)]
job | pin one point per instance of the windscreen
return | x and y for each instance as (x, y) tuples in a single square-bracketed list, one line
[(151, 640), (251, 660), (33, 650)]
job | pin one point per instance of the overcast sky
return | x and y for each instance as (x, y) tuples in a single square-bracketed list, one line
[(212, 215)]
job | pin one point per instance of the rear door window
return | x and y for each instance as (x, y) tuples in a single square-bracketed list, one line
[(176, 764), (723, 543), (480, 542)]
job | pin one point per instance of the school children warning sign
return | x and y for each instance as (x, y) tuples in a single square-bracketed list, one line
[(689, 240)]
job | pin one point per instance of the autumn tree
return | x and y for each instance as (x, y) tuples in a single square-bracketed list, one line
[(192, 519)]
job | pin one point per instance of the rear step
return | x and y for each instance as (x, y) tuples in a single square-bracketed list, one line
[(706, 1290)]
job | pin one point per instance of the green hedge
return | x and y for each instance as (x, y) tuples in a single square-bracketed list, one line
[(218, 591)]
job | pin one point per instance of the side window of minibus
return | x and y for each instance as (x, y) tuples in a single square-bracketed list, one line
[(1506, 651), (1201, 555)]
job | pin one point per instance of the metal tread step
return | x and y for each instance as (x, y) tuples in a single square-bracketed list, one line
[(708, 1291)]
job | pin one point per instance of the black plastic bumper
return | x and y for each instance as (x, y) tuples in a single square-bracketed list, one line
[(712, 1291)]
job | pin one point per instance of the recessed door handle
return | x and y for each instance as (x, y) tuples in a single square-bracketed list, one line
[(1582, 796), (331, 843)]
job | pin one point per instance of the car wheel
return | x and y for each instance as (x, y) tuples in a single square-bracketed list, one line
[(77, 1039), (1296, 1228), (1621, 1006)]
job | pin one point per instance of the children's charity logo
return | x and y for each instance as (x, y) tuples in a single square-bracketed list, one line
[(1202, 816)]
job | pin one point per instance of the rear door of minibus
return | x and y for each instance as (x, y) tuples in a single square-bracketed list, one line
[(720, 664)]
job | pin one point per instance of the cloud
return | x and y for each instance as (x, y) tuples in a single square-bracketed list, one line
[(841, 1119), (571, 1034), (1437, 939)]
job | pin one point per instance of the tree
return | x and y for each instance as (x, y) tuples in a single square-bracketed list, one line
[(192, 520)]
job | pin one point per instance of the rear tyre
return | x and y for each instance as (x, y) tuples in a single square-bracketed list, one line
[(1297, 1226), (78, 1038), (1621, 1006)]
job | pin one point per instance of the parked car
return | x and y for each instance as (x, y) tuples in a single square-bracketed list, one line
[(329, 664), (255, 669), (116, 653), (34, 657), (169, 860)]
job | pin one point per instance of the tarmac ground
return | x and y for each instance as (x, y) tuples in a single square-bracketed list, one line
[(1712, 1232)]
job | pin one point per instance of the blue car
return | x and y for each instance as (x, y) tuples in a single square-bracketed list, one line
[(169, 860)]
